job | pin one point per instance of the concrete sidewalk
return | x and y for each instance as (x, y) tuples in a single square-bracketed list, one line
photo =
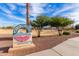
[(67, 48)]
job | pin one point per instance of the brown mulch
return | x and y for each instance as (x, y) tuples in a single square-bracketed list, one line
[(47, 42)]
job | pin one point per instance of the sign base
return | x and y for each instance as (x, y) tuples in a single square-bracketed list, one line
[(21, 50)]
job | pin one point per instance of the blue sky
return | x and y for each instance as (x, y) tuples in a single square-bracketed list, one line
[(11, 14), (15, 13)]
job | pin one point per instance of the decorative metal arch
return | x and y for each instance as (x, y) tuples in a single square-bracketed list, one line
[(21, 26)]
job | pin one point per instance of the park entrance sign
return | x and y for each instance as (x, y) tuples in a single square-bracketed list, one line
[(22, 34)]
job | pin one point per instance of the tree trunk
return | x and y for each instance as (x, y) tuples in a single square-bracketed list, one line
[(59, 31), (38, 33)]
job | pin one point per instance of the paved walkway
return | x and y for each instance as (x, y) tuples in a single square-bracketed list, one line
[(67, 48)]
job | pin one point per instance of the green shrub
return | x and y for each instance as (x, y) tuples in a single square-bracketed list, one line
[(66, 33), (68, 29), (77, 31)]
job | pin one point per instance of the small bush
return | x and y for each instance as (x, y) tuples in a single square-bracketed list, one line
[(69, 29), (77, 31), (66, 33), (9, 27)]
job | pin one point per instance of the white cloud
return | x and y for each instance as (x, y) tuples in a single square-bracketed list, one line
[(73, 15), (12, 6), (4, 23), (14, 17), (65, 8), (22, 11), (21, 4), (37, 9), (9, 14), (62, 10), (5, 10)]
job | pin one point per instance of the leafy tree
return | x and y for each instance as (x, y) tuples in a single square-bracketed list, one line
[(60, 22), (39, 23)]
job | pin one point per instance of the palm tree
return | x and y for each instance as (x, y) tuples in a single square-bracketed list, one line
[(39, 23), (60, 22)]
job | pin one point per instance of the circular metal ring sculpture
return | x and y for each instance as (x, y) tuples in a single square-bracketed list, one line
[(28, 28)]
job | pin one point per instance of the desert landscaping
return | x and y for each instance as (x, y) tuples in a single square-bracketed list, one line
[(38, 32), (49, 38)]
